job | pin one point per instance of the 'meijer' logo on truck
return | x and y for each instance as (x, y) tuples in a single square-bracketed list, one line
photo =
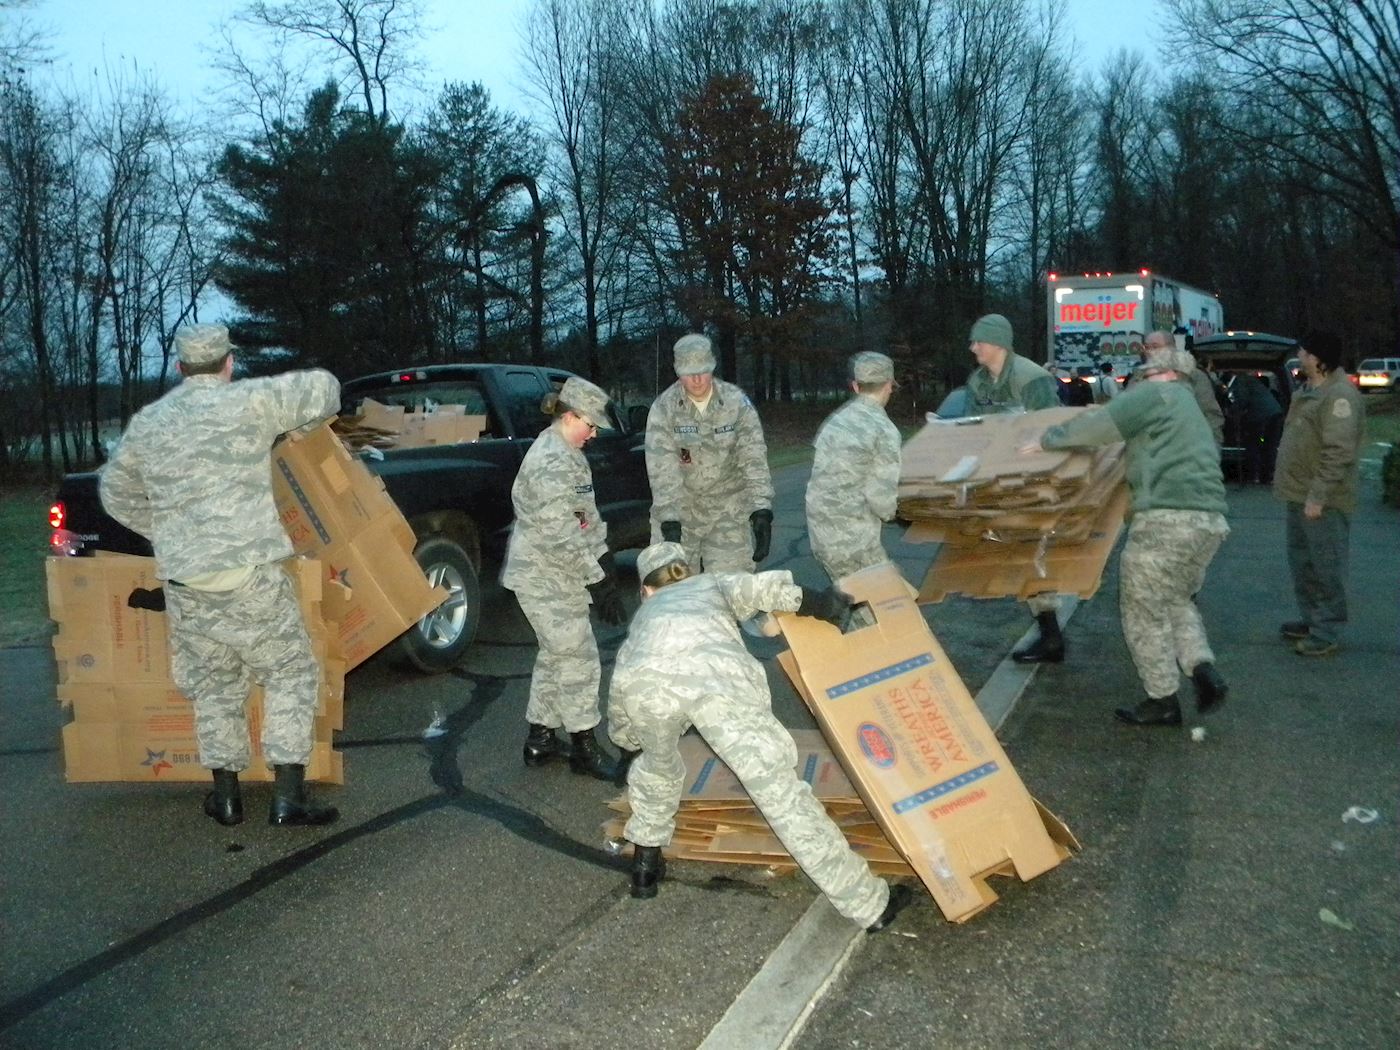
[(1097, 313)]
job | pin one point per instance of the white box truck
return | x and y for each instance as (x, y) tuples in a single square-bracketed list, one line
[(1097, 317)]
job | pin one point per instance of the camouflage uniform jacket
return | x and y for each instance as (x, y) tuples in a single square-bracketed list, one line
[(687, 633), (1321, 445), (558, 536), (1022, 384), (193, 472), (710, 465), (1173, 463), (856, 466)]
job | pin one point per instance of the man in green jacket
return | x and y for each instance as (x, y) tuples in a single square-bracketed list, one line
[(1315, 476), (1003, 381), (1177, 524)]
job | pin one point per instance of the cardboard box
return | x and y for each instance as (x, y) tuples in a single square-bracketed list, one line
[(1020, 569), (335, 510), (918, 750), (100, 638), (129, 720), (124, 751), (443, 425)]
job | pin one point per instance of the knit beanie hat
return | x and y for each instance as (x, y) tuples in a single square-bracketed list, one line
[(992, 328)]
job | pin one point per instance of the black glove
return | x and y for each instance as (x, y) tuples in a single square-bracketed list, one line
[(761, 521), (607, 598), (671, 531), (143, 598), (832, 605)]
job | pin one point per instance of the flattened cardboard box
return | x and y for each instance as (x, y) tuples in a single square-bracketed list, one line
[(444, 425), (1020, 569), (335, 510), (918, 750)]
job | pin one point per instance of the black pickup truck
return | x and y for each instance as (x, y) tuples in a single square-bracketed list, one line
[(456, 497)]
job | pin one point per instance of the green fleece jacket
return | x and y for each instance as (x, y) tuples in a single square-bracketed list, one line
[(1321, 445), (1022, 384), (1173, 462)]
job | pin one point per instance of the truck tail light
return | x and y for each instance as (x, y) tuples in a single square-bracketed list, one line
[(58, 514)]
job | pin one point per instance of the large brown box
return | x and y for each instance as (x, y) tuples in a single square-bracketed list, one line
[(335, 510), (129, 720), (917, 749)]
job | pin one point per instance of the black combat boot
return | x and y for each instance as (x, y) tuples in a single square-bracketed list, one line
[(1211, 687), (225, 802), (290, 806), (1049, 648), (900, 896), (540, 745), (587, 757), (1152, 712), (648, 869)]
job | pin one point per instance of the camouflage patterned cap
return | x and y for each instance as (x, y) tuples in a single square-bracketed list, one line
[(694, 355), (1178, 361), (202, 344), (657, 555), (870, 367), (586, 400)]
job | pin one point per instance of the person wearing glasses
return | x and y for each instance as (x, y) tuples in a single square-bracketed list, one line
[(1160, 343), (558, 563), (708, 466), (855, 473)]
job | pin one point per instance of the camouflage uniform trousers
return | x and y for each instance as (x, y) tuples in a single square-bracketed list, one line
[(567, 674), (722, 545), (220, 643), (747, 737), (1317, 560), (1163, 566), (841, 552)]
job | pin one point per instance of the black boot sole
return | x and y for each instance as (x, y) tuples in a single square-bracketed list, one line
[(585, 770), (534, 759), (1128, 716), (1035, 656), (645, 891), (1211, 692)]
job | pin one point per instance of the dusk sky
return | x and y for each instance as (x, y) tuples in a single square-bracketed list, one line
[(469, 39)]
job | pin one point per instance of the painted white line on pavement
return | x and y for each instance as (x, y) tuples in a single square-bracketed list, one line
[(770, 1012)]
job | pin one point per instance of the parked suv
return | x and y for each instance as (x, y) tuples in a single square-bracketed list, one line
[(1378, 373), (1261, 355)]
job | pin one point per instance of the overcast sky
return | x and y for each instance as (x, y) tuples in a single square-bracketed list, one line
[(470, 39)]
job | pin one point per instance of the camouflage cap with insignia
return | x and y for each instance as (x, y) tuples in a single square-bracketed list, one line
[(870, 367), (202, 344), (587, 400), (694, 355)]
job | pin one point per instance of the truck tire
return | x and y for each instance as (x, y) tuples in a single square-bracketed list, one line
[(438, 641)]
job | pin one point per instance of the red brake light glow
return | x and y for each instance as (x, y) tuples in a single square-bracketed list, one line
[(57, 514)]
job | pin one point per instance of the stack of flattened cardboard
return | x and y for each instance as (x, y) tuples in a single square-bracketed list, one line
[(718, 822), (336, 511), (440, 425), (1012, 524), (917, 749), (129, 722)]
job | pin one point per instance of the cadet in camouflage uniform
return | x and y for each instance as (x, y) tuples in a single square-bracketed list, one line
[(855, 473), (684, 664), (1177, 525), (193, 474), (708, 466), (1003, 381), (557, 563), (1315, 476), (1162, 342)]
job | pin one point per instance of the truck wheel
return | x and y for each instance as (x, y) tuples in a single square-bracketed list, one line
[(438, 641)]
